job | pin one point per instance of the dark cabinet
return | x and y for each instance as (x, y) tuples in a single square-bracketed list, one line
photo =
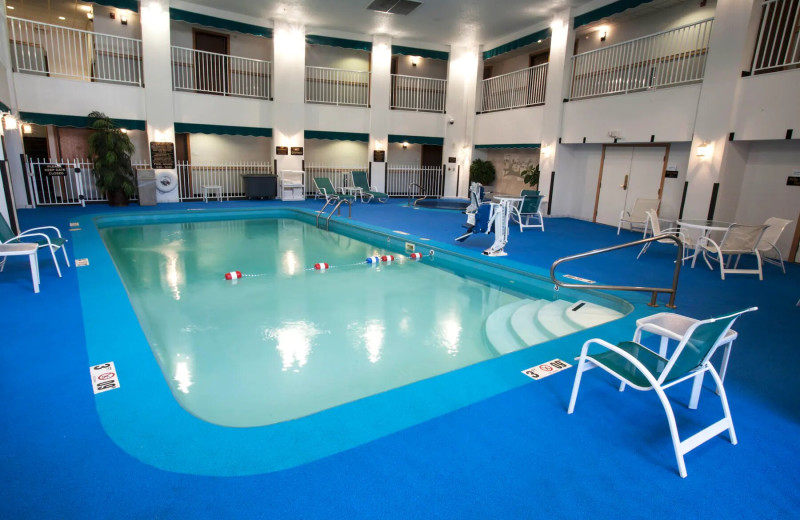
[(260, 186)]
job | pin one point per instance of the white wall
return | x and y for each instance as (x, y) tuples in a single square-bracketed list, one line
[(336, 57), (411, 156), (426, 68), (104, 24), (522, 125), (335, 153), (575, 185), (216, 149), (767, 106), (673, 188), (242, 45), (222, 110), (406, 122), (764, 191), (334, 118)]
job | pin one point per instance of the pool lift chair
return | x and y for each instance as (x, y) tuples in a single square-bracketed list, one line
[(325, 187), (486, 217), (642, 369), (360, 181), (36, 236)]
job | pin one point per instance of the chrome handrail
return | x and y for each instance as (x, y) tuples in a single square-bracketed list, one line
[(337, 207), (655, 290), (421, 189)]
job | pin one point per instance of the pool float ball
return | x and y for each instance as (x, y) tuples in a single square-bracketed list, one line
[(416, 256), (387, 258), (321, 266), (373, 260), (233, 275)]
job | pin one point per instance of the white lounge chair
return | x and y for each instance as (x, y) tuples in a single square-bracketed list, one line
[(637, 216), (767, 247), (654, 224), (739, 240)]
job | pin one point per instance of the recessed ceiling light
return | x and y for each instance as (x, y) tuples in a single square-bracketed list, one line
[(61, 18)]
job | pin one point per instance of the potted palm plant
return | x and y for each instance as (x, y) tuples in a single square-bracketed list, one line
[(531, 175), (482, 171), (110, 151)]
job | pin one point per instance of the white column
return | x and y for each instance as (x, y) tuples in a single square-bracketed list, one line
[(157, 67), (730, 35), (558, 79), (380, 111), (13, 137), (289, 99), (462, 82)]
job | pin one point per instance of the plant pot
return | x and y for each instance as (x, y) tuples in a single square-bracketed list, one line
[(118, 198)]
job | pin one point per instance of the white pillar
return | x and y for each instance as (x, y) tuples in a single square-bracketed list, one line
[(157, 67), (558, 80), (380, 110), (13, 138), (730, 35), (289, 98), (462, 82)]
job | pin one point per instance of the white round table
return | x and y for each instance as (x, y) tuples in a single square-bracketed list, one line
[(705, 227)]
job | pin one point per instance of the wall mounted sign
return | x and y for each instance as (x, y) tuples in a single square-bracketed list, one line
[(54, 170), (281, 150), (671, 174), (297, 150), (379, 155), (793, 181), (162, 155), (451, 160)]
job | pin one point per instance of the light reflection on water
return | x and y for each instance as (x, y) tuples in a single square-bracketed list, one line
[(294, 341)]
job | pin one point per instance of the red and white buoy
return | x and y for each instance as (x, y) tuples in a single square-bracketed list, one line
[(387, 258), (416, 256), (321, 266), (233, 275)]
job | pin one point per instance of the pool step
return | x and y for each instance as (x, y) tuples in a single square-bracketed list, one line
[(525, 323), (552, 317), (498, 330), (590, 315)]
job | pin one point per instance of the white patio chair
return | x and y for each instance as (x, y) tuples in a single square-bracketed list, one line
[(654, 224), (739, 240), (637, 216), (766, 247)]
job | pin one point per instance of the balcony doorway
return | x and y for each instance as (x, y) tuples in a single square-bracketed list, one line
[(211, 66)]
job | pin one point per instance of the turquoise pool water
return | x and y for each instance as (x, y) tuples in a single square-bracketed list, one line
[(289, 340)]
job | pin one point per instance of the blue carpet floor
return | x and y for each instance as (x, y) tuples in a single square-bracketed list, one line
[(515, 455)]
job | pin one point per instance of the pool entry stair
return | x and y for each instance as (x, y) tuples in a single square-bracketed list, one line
[(525, 322)]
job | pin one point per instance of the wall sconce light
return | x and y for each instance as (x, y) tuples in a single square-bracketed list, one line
[(90, 16), (405, 144), (123, 130), (27, 129), (704, 150), (123, 20), (10, 122), (378, 145), (546, 151), (414, 61), (603, 35)]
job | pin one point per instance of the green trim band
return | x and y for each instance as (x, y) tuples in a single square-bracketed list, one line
[(516, 44), (4, 107), (131, 5), (422, 53), (218, 23), (76, 121), (518, 145), (197, 128), (606, 10), (416, 139), (336, 136), (313, 39)]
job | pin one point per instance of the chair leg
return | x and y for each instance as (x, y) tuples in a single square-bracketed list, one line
[(644, 248), (66, 258), (579, 370), (673, 431), (725, 408), (53, 254), (760, 264)]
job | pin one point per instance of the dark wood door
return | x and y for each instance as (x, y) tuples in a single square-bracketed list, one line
[(211, 65), (431, 155)]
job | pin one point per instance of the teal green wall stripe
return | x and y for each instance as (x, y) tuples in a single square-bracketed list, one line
[(131, 5), (219, 23), (197, 128), (606, 10), (518, 145), (4, 107), (422, 53), (336, 136), (416, 139), (338, 42), (516, 44), (76, 121)]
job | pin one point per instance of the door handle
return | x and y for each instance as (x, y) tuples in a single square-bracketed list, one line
[(624, 184)]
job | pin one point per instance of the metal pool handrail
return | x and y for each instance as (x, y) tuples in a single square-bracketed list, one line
[(424, 195), (336, 207), (654, 290)]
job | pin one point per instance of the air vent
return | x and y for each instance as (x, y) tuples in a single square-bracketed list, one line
[(403, 7)]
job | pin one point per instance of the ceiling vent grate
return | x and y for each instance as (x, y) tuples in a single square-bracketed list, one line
[(403, 7)]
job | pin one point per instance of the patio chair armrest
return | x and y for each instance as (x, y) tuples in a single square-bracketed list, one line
[(654, 328), (28, 235), (58, 232), (703, 241)]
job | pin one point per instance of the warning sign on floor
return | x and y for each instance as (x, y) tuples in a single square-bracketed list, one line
[(546, 369), (104, 377), (82, 262)]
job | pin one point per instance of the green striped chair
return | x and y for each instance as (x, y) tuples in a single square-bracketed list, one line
[(326, 189), (34, 236), (642, 369), (360, 181), (529, 208)]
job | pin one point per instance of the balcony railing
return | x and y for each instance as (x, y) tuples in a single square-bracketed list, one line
[(522, 88), (668, 58), (414, 93), (778, 46), (51, 50), (337, 86), (213, 73), (405, 180)]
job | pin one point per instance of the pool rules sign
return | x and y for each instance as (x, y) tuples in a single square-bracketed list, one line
[(104, 377), (546, 369)]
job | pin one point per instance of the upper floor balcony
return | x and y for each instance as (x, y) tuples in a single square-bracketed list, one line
[(522, 88), (416, 93), (214, 73), (337, 86), (778, 45)]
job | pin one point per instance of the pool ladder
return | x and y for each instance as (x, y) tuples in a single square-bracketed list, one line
[(334, 210), (421, 189)]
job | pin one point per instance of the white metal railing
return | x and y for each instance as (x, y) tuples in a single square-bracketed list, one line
[(337, 86), (399, 180), (49, 187), (192, 178), (414, 93), (522, 88), (339, 176), (778, 46), (201, 71), (51, 50), (667, 58)]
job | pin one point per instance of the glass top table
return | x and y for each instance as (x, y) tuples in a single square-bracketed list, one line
[(705, 225)]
